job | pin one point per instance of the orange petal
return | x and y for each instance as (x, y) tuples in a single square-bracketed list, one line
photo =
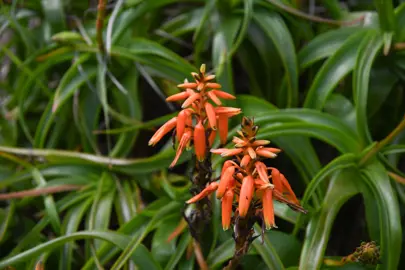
[(187, 85), (227, 209), (222, 94), (213, 85), (276, 179), (214, 98), (265, 153), (212, 118), (251, 152), (178, 96), (287, 186), (239, 141), (212, 136), (206, 191), (178, 230), (223, 128), (181, 124), (185, 139), (232, 152), (246, 194), (219, 150), (200, 86), (262, 171), (163, 130), (268, 210), (226, 165), (228, 110), (209, 77), (190, 100), (272, 149), (245, 161), (225, 181), (199, 141), (260, 142)]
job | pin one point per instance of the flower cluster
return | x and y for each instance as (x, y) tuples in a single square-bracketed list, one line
[(201, 117), (246, 178)]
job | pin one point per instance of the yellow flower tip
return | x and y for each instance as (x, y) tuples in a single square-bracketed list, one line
[(202, 68)]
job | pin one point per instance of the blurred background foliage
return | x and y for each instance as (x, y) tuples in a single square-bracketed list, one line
[(83, 85)]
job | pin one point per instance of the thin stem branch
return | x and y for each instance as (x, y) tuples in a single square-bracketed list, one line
[(99, 24), (397, 178), (383, 143), (313, 18), (199, 256), (38, 192)]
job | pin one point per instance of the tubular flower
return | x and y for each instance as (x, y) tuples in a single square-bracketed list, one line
[(200, 117), (246, 176)]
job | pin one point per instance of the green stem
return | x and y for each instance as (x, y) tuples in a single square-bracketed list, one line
[(383, 143)]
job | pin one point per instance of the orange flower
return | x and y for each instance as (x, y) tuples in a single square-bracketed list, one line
[(248, 178), (185, 140), (196, 99), (226, 181), (207, 191), (162, 131), (199, 141), (246, 195), (227, 209), (268, 211)]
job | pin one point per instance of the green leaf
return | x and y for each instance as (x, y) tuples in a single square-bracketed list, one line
[(144, 260), (221, 47), (309, 123), (72, 221), (332, 71), (286, 245), (129, 166), (341, 188), (400, 18), (267, 251), (274, 27), (341, 107), (100, 214), (382, 82), (54, 15), (247, 16), (325, 45), (341, 162), (369, 48), (380, 198), (180, 249), (48, 201), (386, 15), (7, 217), (221, 254), (135, 241), (117, 239), (162, 249), (130, 105)]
